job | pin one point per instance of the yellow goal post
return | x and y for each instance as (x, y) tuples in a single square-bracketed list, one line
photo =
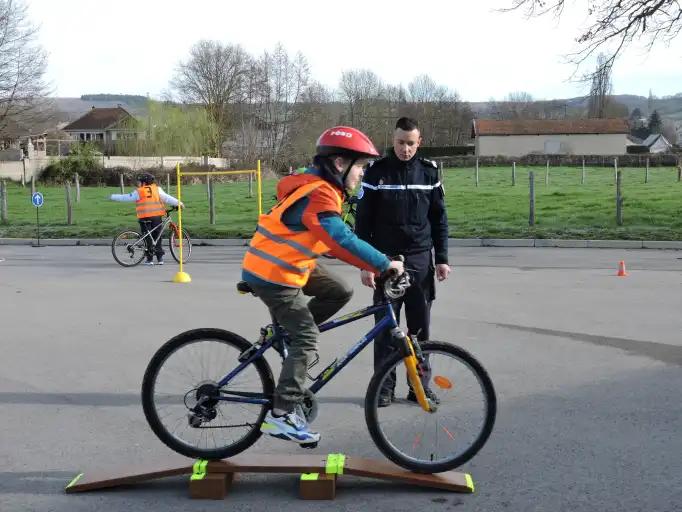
[(183, 277)]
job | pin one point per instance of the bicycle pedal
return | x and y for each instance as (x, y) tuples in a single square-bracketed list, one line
[(309, 446)]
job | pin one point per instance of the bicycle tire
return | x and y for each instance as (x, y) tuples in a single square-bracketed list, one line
[(133, 260), (186, 246), (151, 376), (387, 446)]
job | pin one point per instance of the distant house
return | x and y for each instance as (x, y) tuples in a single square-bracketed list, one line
[(550, 137), (657, 143), (104, 126)]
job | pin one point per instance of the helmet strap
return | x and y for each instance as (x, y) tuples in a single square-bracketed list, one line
[(346, 173)]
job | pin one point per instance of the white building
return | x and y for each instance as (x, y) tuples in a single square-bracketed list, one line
[(517, 138), (657, 143)]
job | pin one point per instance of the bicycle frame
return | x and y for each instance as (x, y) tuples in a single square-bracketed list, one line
[(387, 322), (161, 228)]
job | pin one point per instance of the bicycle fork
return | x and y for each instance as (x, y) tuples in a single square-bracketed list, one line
[(414, 364)]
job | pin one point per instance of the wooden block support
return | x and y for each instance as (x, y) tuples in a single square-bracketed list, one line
[(212, 486), (317, 486)]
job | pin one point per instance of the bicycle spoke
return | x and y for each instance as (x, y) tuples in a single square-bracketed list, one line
[(180, 381), (454, 431)]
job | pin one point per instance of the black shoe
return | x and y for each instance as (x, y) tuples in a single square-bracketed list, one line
[(411, 397), (385, 399)]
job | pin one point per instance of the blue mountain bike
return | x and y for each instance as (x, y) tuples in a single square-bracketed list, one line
[(206, 391)]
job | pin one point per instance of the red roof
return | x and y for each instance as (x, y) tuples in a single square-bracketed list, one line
[(98, 119), (548, 127)]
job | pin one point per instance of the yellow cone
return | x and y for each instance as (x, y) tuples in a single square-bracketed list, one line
[(182, 277)]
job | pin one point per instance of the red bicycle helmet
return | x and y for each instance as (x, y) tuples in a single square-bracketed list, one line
[(345, 140)]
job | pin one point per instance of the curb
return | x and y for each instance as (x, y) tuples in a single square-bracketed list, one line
[(452, 242), (562, 243)]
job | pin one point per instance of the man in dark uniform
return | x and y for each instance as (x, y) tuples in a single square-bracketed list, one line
[(402, 211)]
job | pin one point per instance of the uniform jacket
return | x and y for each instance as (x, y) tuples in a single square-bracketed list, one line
[(402, 207)]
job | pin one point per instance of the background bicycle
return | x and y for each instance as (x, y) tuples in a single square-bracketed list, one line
[(129, 247)]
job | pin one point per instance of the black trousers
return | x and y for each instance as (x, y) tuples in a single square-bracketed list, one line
[(417, 301), (148, 224)]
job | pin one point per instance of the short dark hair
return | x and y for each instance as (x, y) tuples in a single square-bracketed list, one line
[(407, 123)]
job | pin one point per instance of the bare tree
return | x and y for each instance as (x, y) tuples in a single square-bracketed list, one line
[(669, 131), (614, 24), (357, 89), (212, 76), (600, 88), (22, 66), (517, 105), (423, 89), (284, 82)]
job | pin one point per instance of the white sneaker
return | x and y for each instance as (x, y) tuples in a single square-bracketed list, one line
[(290, 427), (160, 262), (148, 263)]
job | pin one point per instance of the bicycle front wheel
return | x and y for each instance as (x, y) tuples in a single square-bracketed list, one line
[(181, 396), (174, 244), (432, 442), (128, 248)]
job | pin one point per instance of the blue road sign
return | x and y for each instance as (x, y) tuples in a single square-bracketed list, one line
[(37, 199)]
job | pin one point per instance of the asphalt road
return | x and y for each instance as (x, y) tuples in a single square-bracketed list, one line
[(586, 367)]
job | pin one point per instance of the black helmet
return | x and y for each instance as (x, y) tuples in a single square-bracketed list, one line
[(146, 178)]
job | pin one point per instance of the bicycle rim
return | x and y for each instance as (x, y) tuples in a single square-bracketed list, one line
[(171, 384), (439, 441), (128, 249)]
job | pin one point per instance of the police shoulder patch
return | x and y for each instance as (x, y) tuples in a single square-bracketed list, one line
[(432, 163), (361, 192)]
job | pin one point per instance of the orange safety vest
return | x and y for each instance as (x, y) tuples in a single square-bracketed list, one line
[(281, 256), (149, 203)]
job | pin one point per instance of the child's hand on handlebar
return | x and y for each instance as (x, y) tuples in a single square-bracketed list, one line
[(396, 267)]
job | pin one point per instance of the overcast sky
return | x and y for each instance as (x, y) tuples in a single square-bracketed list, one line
[(133, 47)]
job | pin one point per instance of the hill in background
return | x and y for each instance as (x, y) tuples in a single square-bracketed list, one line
[(69, 109)]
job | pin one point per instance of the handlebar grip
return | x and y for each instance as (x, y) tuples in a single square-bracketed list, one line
[(391, 272)]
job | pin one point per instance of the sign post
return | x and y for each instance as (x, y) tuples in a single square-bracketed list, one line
[(37, 200)]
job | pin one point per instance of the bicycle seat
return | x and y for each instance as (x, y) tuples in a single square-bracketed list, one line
[(243, 287)]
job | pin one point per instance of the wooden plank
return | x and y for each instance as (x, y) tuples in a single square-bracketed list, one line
[(356, 466), (448, 480), (269, 464), (132, 474)]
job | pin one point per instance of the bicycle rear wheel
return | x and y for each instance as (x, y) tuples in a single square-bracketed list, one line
[(174, 244), (128, 248), (432, 442), (183, 375)]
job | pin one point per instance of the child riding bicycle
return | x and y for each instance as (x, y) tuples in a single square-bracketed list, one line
[(149, 199), (280, 264)]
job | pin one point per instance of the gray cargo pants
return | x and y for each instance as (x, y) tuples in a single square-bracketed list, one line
[(300, 318)]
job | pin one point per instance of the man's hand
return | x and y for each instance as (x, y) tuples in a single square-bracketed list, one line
[(442, 271), (367, 279)]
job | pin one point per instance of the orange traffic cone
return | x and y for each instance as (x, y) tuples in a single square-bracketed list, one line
[(621, 269)]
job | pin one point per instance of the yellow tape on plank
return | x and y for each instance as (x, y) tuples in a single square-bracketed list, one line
[(199, 470), (76, 478), (469, 481)]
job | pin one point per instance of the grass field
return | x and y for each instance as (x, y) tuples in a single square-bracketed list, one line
[(494, 209)]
